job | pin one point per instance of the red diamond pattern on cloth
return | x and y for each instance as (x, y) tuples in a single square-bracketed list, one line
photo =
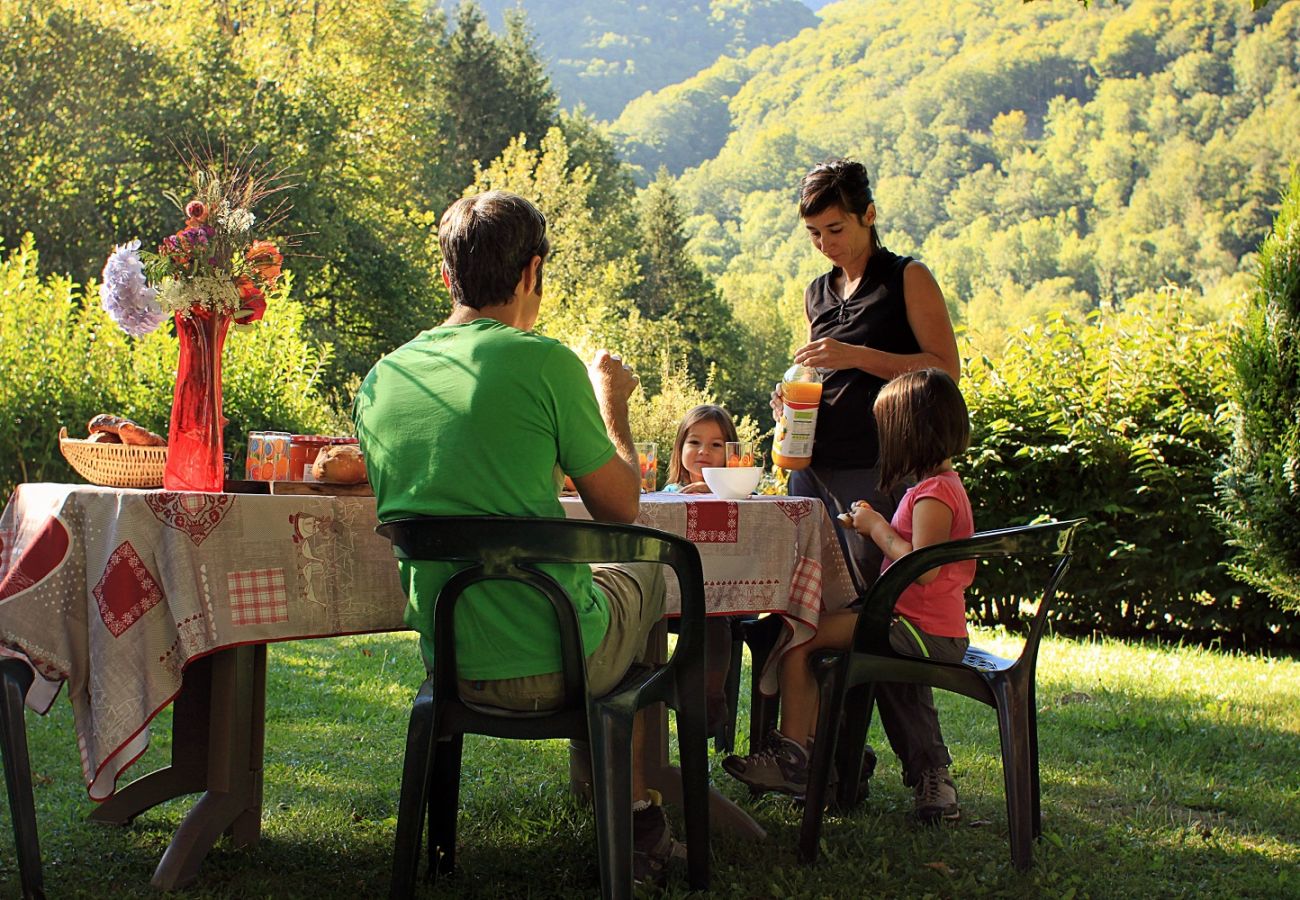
[(42, 556), (795, 510), (127, 591), (257, 597), (806, 585), (712, 521), (197, 515)]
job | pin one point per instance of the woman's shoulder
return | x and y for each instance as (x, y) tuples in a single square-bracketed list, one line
[(888, 261)]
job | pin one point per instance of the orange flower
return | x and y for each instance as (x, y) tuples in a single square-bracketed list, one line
[(265, 258), (263, 253)]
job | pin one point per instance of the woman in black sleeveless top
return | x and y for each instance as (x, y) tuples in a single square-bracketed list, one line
[(874, 315)]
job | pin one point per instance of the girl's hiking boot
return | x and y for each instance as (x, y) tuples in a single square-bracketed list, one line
[(781, 765), (935, 797)]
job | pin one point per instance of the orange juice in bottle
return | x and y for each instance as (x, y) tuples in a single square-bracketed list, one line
[(801, 393)]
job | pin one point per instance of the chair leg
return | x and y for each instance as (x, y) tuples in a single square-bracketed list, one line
[(1036, 809), (761, 636), (611, 776), (829, 676), (444, 804), (1017, 758), (18, 776), (859, 703), (414, 795), (693, 755), (724, 740)]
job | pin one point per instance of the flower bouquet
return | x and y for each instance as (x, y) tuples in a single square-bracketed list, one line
[(206, 275)]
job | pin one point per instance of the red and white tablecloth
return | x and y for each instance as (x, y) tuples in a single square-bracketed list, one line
[(115, 591), (763, 554)]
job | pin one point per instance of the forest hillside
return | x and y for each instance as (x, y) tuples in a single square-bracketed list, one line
[(602, 53), (1039, 157)]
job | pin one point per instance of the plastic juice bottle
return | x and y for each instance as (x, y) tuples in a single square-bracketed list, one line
[(801, 390)]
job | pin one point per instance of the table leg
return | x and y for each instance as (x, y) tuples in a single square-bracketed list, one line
[(188, 771), (232, 803), (219, 753), (664, 778), (667, 780)]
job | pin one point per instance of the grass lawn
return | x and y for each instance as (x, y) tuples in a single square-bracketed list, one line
[(1167, 772)]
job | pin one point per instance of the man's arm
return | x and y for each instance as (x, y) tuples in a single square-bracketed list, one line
[(612, 493)]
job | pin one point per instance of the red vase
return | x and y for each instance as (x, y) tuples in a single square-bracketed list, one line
[(194, 458)]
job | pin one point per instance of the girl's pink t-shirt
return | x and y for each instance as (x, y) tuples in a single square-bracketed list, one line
[(938, 608)]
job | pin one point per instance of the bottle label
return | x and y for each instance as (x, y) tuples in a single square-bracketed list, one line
[(794, 437)]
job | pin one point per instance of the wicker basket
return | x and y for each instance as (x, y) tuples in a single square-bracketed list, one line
[(114, 465)]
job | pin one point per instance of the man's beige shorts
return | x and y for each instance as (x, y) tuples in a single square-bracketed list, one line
[(636, 602)]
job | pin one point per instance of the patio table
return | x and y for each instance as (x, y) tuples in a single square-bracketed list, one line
[(119, 593)]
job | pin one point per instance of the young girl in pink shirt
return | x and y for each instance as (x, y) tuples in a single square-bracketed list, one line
[(923, 424)]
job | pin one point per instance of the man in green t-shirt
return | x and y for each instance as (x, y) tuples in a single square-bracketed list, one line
[(480, 416)]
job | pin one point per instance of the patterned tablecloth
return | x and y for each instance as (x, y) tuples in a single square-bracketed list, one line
[(764, 554), (115, 591)]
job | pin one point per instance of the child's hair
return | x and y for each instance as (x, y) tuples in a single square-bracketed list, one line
[(921, 420), (706, 411)]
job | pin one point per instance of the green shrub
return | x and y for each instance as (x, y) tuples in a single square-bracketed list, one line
[(62, 360), (1121, 419), (656, 418), (1260, 487)]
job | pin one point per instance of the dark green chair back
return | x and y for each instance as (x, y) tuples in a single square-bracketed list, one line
[(495, 548), (1007, 685)]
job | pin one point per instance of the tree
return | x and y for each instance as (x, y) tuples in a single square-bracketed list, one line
[(75, 170), (674, 289), (1260, 486), (490, 89)]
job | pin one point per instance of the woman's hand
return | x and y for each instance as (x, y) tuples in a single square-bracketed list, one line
[(828, 353), (777, 402)]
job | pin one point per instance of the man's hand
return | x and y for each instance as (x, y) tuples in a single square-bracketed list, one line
[(612, 381), (612, 493)]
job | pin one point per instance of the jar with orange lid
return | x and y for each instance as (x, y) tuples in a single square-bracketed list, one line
[(303, 450)]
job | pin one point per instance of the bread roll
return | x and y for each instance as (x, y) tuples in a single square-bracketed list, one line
[(104, 437), (340, 464), (104, 423), (127, 431), (131, 433)]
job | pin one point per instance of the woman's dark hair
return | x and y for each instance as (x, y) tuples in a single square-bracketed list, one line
[(486, 242), (921, 420), (837, 182), (704, 412)]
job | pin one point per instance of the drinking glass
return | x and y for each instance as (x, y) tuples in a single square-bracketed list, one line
[(647, 454), (256, 455), (268, 456), (740, 453)]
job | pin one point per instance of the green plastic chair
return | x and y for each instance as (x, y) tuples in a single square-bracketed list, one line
[(15, 679), (510, 549), (845, 679)]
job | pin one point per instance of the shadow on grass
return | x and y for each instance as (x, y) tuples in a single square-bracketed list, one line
[(1142, 795)]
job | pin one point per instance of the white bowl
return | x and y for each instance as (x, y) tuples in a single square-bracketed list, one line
[(735, 483)]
